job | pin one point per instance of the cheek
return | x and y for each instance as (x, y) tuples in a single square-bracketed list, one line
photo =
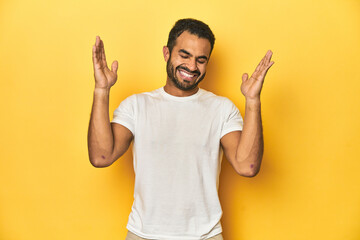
[(202, 69), (179, 62), (175, 58), (175, 63)]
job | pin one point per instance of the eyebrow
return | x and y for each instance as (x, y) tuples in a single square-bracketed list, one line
[(186, 52)]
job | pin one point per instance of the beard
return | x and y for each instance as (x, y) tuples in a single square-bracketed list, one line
[(171, 72)]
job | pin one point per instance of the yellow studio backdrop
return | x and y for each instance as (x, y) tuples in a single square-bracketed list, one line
[(308, 185)]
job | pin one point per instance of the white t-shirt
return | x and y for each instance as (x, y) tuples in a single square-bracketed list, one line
[(177, 159)]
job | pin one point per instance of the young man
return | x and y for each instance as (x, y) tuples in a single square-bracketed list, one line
[(179, 132)]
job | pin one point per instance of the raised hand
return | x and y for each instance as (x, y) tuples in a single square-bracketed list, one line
[(104, 77), (251, 87)]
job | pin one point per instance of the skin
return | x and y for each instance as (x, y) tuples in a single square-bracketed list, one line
[(192, 53), (187, 64), (106, 141), (244, 150)]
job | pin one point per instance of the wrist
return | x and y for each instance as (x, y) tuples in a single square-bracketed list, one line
[(255, 100), (101, 91), (253, 103)]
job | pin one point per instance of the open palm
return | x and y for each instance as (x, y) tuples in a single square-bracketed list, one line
[(104, 77), (251, 87)]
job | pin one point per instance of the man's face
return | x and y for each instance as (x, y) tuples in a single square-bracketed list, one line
[(186, 64)]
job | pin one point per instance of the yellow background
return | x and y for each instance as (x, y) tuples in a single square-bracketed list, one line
[(308, 186)]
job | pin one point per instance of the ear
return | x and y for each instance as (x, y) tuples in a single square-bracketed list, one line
[(166, 53)]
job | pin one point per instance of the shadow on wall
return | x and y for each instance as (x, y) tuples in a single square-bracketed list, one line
[(231, 188)]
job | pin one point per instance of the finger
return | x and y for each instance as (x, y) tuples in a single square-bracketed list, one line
[(269, 65), (267, 69), (103, 53), (97, 49), (97, 40), (94, 54), (265, 62), (268, 56), (97, 44), (245, 77), (114, 66), (257, 69)]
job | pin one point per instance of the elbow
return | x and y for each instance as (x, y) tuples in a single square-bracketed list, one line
[(96, 164), (248, 167), (99, 162), (248, 170), (248, 173)]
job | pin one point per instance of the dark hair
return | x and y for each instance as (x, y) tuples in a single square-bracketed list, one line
[(193, 26)]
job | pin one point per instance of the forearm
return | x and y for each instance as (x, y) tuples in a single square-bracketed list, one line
[(100, 136), (251, 145)]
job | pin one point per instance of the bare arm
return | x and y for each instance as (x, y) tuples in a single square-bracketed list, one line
[(106, 142), (244, 150)]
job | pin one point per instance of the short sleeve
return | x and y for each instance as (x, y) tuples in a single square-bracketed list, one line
[(125, 113), (232, 120)]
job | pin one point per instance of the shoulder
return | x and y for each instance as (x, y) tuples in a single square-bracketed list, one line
[(147, 95), (142, 96), (207, 95)]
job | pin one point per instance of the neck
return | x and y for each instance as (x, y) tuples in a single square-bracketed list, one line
[(171, 89)]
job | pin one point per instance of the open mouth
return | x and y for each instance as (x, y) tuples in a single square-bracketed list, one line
[(186, 76)]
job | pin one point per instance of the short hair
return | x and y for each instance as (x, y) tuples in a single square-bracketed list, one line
[(193, 26)]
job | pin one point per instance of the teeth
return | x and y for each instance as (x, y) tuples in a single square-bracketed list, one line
[(186, 74)]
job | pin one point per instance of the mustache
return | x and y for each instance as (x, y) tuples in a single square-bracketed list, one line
[(188, 70)]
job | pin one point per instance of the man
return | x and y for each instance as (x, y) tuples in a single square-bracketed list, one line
[(179, 132)]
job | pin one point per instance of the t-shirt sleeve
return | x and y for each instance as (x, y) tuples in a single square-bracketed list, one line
[(125, 114), (232, 118)]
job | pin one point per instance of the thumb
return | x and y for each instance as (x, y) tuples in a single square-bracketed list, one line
[(245, 77), (114, 67)]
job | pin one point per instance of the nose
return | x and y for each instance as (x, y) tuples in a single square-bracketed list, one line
[(192, 64)]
